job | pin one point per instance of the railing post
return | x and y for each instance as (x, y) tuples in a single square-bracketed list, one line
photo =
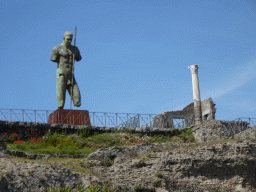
[(93, 119), (10, 115), (116, 120), (58, 117), (105, 119), (35, 115), (22, 115), (138, 120), (70, 118), (46, 116), (149, 120)]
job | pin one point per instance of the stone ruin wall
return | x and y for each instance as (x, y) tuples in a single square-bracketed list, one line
[(165, 119), (208, 109), (213, 130)]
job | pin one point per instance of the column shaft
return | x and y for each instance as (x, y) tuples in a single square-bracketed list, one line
[(196, 94)]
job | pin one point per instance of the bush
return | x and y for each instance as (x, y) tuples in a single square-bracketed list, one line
[(175, 132), (10, 138), (107, 162), (159, 175), (84, 132), (139, 188), (94, 187), (108, 188), (149, 155), (157, 183), (140, 164), (187, 135), (61, 143)]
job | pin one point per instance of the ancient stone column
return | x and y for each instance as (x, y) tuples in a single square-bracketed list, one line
[(196, 94)]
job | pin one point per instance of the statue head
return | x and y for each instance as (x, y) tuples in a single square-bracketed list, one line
[(67, 37), (67, 33)]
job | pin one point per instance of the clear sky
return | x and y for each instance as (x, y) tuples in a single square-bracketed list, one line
[(135, 54)]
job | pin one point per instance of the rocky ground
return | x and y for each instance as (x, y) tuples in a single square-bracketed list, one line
[(228, 166)]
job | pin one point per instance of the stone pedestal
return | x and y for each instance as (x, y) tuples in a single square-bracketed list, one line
[(196, 94), (75, 117)]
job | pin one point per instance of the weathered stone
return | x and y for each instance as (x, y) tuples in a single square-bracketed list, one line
[(166, 119), (218, 167), (2, 144)]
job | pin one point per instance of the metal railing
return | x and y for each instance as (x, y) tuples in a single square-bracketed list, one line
[(107, 119), (99, 119), (239, 125), (158, 121), (25, 115)]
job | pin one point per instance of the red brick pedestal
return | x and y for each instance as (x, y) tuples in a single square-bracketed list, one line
[(65, 116)]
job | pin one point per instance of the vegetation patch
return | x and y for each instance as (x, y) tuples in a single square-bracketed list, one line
[(224, 146), (107, 162), (157, 184), (140, 164), (159, 175), (140, 188)]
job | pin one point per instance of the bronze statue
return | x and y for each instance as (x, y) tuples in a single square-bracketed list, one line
[(65, 54)]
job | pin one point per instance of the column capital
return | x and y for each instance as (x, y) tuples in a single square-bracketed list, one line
[(194, 68)]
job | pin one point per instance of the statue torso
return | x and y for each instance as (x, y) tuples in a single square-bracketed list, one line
[(66, 56)]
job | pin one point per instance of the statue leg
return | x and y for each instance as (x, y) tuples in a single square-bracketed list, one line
[(61, 87), (76, 94)]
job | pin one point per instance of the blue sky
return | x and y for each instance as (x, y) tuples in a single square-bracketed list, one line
[(135, 54)]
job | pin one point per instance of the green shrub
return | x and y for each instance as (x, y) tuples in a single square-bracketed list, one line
[(108, 188), (84, 132), (107, 162), (42, 179), (140, 164), (157, 183), (187, 135), (94, 187), (61, 142), (10, 138), (138, 188), (159, 175), (149, 155)]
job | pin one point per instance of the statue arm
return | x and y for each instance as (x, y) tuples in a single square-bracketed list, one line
[(78, 56), (55, 54)]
